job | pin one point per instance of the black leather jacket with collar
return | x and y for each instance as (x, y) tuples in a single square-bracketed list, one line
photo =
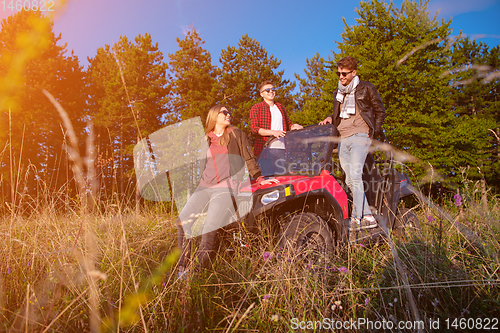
[(368, 104)]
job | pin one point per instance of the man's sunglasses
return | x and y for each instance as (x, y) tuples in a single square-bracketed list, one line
[(269, 90), (226, 113), (344, 74)]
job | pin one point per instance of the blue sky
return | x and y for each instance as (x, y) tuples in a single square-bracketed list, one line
[(290, 30)]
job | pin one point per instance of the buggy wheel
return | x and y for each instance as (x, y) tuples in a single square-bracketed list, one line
[(307, 236), (406, 224)]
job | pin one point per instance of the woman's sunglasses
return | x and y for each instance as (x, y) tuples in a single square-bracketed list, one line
[(226, 113)]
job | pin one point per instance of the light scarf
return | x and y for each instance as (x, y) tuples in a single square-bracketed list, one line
[(345, 95)]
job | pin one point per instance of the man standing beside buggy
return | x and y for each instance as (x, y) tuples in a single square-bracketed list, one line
[(358, 113)]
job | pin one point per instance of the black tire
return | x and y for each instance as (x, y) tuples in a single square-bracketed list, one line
[(308, 236), (406, 224)]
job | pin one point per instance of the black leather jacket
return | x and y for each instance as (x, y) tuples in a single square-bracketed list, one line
[(368, 104)]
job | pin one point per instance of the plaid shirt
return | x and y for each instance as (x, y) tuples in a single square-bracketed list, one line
[(260, 117)]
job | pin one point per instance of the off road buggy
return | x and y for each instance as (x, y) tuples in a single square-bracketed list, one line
[(312, 204)]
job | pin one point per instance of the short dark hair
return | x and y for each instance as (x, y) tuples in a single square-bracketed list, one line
[(264, 83), (348, 63)]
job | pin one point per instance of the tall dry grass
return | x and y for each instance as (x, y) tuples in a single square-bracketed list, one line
[(46, 276)]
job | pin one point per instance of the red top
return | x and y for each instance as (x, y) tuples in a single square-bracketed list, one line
[(216, 171)]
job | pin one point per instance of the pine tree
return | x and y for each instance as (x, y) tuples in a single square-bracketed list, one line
[(477, 107), (315, 98), (243, 69), (127, 91), (403, 52), (192, 79), (31, 130)]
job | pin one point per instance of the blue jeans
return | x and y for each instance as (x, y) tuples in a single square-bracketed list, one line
[(352, 155)]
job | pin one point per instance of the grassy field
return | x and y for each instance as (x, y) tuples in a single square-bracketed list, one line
[(97, 273)]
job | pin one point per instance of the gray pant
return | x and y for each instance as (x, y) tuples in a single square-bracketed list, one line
[(214, 207)]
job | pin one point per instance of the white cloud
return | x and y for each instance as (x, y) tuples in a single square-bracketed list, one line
[(448, 8)]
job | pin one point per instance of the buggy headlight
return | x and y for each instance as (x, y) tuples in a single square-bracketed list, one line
[(270, 197)]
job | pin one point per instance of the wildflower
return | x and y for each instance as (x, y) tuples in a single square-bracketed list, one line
[(367, 300), (430, 218), (435, 303), (275, 317), (458, 200), (266, 297), (266, 256), (9, 271), (309, 266), (343, 269)]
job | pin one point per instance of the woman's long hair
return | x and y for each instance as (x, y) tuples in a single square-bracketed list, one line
[(213, 113)]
